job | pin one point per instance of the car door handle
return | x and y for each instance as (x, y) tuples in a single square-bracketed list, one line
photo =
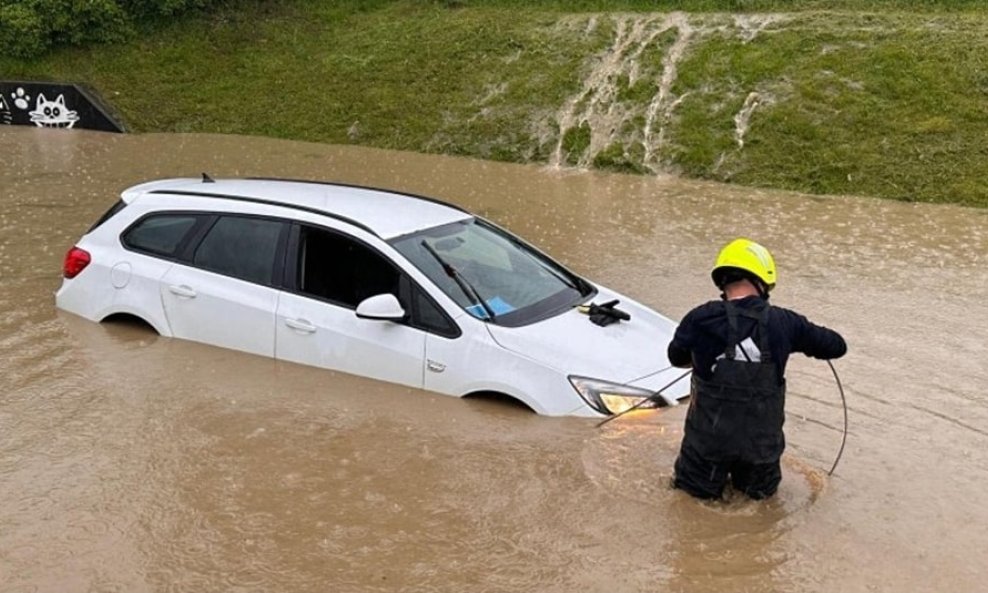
[(300, 325), (182, 291)]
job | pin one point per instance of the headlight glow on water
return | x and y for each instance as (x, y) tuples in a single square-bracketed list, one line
[(607, 397)]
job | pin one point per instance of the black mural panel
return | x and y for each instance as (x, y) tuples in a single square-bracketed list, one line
[(53, 105)]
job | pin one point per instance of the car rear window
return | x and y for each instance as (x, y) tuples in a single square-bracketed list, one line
[(117, 207), (160, 234)]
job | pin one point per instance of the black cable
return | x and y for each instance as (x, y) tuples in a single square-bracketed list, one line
[(843, 400)]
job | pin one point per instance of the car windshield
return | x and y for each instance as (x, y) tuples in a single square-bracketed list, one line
[(492, 274)]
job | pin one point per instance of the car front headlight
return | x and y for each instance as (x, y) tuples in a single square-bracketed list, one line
[(610, 398)]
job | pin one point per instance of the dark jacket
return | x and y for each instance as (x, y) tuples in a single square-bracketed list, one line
[(702, 336)]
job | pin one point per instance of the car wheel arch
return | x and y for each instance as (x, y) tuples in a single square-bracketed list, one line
[(132, 317), (500, 395)]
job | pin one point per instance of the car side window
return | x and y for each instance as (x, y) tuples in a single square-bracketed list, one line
[(242, 247), (427, 315), (160, 234), (336, 268), (344, 271)]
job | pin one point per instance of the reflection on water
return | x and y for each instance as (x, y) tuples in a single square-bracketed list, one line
[(137, 463)]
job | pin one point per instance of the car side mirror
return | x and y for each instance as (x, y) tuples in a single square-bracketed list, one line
[(381, 306)]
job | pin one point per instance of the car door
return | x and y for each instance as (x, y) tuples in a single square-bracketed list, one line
[(225, 294), (328, 275)]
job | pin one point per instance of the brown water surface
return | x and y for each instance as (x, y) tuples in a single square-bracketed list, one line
[(130, 462)]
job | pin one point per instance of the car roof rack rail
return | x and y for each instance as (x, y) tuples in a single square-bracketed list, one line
[(367, 187), (202, 194)]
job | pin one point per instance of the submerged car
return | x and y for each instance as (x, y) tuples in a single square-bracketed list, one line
[(372, 282)]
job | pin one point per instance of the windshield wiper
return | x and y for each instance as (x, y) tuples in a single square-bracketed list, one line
[(462, 282)]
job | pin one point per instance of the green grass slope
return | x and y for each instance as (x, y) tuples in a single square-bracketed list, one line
[(887, 99)]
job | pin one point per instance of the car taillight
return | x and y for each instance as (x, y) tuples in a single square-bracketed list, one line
[(76, 261)]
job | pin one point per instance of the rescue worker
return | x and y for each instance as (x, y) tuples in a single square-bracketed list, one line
[(738, 347)]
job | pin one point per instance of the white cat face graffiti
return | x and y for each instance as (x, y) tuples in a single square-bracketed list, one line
[(53, 114)]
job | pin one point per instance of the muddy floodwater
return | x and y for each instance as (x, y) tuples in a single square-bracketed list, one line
[(130, 462)]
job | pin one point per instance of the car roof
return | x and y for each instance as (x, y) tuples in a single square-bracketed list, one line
[(386, 213)]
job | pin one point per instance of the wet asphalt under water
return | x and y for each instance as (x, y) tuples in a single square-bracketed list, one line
[(130, 462)]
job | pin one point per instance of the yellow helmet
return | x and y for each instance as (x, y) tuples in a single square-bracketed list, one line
[(744, 258)]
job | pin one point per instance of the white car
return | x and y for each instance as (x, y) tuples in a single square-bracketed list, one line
[(372, 282)]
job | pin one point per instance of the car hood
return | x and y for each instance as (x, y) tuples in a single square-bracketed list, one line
[(623, 352)]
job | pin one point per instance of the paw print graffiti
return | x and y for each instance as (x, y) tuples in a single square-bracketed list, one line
[(21, 99)]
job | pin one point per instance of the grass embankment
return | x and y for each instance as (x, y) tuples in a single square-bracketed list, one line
[(887, 99)]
